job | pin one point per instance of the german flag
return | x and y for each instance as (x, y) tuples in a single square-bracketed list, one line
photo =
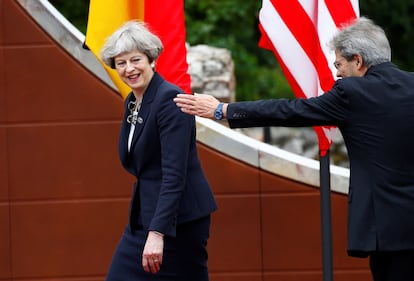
[(165, 18)]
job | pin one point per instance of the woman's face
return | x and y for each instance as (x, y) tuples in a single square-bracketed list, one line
[(135, 70)]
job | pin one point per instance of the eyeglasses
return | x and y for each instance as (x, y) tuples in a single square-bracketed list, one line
[(338, 64)]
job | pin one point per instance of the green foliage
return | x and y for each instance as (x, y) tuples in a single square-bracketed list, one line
[(76, 11), (397, 20), (234, 26)]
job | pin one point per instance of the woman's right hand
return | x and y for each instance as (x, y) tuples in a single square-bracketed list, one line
[(153, 252)]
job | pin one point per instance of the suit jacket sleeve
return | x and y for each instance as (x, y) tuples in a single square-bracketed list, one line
[(329, 109)]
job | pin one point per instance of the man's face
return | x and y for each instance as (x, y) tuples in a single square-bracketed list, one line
[(348, 68)]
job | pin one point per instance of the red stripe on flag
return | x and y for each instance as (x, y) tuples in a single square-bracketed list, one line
[(166, 19), (342, 12), (302, 27)]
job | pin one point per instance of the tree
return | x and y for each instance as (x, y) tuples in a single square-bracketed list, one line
[(397, 20), (76, 11)]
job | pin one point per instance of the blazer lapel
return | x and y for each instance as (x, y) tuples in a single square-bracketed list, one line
[(125, 128), (141, 121), (145, 109)]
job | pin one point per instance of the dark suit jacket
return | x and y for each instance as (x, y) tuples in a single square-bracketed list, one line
[(375, 115), (171, 187)]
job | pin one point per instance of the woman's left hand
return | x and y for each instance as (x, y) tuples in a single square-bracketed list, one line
[(153, 251)]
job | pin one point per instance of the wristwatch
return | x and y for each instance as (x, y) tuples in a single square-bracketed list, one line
[(218, 112)]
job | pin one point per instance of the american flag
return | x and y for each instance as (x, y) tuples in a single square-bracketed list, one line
[(298, 32)]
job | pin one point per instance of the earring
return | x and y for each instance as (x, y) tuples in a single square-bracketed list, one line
[(152, 64)]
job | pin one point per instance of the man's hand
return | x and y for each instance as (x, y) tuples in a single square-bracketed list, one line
[(198, 104)]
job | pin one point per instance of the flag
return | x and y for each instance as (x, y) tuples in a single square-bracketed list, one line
[(298, 33), (165, 18)]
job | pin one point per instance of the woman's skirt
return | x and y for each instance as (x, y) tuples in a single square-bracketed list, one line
[(184, 258)]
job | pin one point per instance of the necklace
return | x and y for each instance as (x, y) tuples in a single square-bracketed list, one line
[(134, 107)]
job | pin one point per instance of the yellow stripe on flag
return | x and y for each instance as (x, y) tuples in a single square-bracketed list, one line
[(105, 16)]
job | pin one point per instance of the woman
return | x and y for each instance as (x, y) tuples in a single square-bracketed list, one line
[(169, 219)]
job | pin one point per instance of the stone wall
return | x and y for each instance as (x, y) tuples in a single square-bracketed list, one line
[(212, 71)]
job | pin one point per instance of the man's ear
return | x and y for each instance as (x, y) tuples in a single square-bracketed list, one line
[(359, 61)]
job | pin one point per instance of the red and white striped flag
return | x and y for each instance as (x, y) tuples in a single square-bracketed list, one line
[(298, 32)]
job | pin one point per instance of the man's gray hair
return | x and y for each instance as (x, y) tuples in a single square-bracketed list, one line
[(365, 38)]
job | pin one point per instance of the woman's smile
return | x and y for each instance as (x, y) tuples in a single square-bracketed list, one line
[(134, 68)]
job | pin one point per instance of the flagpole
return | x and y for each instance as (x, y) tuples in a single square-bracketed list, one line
[(326, 228)]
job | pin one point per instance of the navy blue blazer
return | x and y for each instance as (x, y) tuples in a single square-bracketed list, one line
[(171, 187), (375, 115)]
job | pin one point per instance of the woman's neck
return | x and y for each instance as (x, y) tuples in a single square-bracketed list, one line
[(138, 96)]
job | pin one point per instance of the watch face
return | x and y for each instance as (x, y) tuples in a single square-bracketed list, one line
[(218, 114)]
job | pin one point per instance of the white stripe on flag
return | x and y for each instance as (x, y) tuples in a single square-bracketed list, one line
[(288, 48)]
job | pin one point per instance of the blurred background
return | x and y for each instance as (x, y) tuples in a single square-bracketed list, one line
[(234, 26)]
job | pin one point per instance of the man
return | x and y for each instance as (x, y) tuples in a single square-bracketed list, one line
[(373, 107)]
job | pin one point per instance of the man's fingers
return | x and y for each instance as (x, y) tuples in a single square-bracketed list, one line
[(182, 100)]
